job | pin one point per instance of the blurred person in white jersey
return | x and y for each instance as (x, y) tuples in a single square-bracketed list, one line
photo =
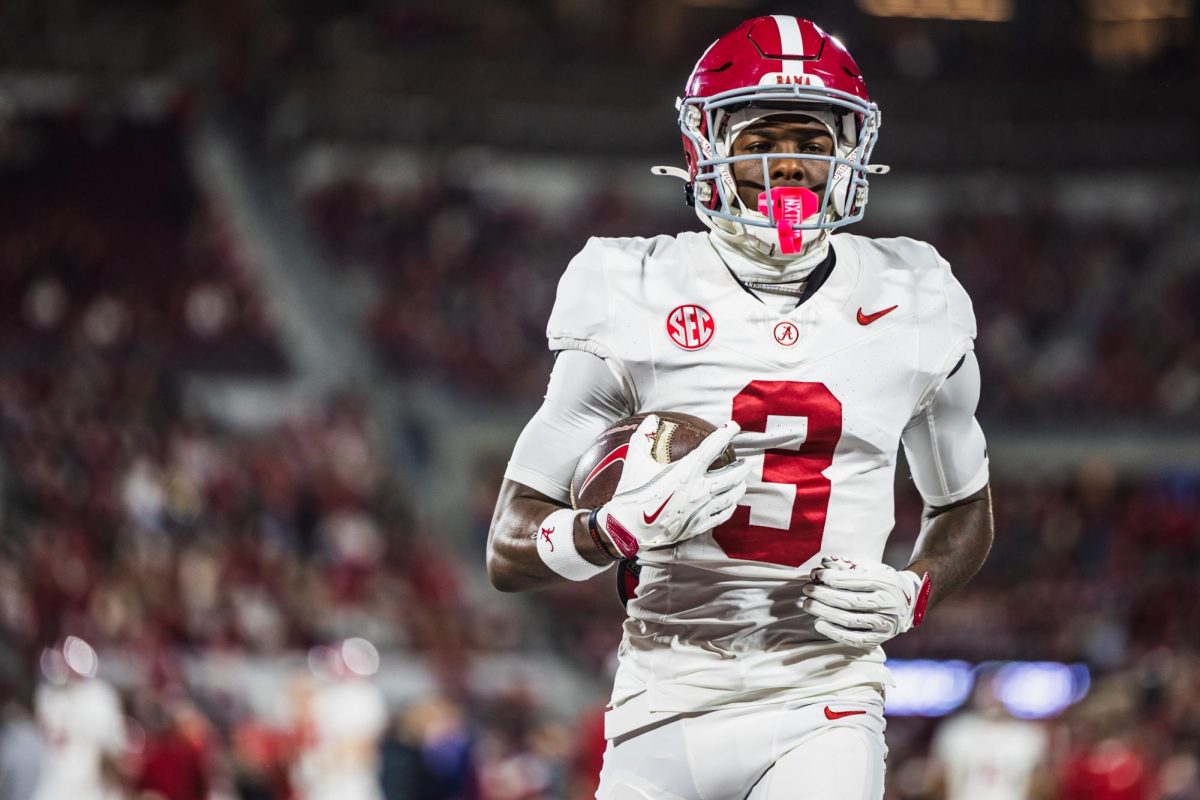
[(342, 719), (83, 726), (751, 664), (985, 753)]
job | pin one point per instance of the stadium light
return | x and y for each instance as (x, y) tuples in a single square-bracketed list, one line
[(1028, 689), (1033, 690), (959, 10), (926, 688), (1138, 10), (1122, 33)]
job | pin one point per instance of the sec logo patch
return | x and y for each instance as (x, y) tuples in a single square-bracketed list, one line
[(690, 326)]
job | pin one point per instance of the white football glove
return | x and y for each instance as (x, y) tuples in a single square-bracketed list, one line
[(659, 505), (864, 605)]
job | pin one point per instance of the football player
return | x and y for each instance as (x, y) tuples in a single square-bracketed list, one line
[(750, 665), (985, 753)]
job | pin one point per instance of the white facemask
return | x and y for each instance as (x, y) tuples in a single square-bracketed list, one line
[(758, 247)]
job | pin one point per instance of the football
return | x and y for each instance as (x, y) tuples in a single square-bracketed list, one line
[(599, 468)]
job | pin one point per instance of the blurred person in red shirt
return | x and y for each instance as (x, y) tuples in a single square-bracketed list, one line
[(589, 753), (261, 757), (174, 764), (1108, 761), (1110, 769)]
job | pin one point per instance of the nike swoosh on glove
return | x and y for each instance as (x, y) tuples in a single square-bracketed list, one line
[(659, 505), (864, 605)]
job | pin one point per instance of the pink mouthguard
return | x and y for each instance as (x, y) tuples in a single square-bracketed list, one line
[(789, 205)]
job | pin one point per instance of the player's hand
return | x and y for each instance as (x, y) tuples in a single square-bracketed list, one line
[(659, 505), (864, 605)]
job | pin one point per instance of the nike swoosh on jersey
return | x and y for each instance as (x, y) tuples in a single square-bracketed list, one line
[(830, 714), (867, 319), (649, 518)]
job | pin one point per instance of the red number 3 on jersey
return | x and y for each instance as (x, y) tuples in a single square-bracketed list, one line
[(795, 474)]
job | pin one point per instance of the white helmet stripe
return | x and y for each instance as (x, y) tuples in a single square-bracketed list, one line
[(791, 40)]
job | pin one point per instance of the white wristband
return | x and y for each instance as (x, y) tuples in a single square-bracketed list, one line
[(556, 546)]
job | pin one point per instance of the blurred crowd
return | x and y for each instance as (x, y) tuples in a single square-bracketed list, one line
[(466, 279), (1081, 318), (162, 538), (106, 241), (154, 561), (177, 554), (1078, 317), (1116, 559), (328, 35)]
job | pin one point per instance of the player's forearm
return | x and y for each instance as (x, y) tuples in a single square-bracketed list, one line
[(954, 543), (513, 562)]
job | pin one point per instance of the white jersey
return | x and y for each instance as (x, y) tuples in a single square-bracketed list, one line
[(348, 719), (82, 724), (988, 758), (822, 394)]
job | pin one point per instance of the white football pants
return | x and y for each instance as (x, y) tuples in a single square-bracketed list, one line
[(765, 752)]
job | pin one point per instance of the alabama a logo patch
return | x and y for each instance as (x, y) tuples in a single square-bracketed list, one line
[(690, 326), (786, 334)]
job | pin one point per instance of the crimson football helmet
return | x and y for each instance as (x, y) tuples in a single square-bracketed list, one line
[(772, 65)]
